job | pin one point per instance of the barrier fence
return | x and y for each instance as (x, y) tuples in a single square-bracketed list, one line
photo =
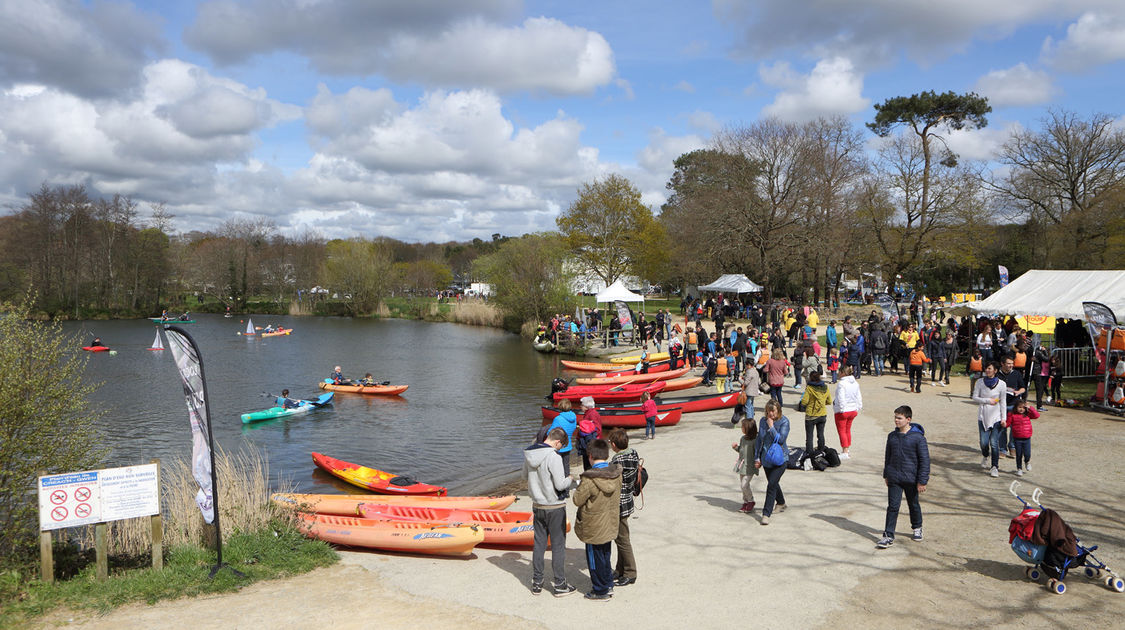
[(1076, 362)]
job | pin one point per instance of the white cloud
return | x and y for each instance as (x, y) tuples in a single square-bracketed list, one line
[(874, 32), (91, 49), (981, 144), (833, 87), (1016, 86), (454, 44), (1096, 38), (626, 88), (684, 86), (704, 121)]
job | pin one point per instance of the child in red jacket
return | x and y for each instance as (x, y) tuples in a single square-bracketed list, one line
[(1019, 420)]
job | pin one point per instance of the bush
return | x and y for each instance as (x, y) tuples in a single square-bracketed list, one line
[(47, 423)]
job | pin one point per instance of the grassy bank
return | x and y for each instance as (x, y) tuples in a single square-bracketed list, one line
[(260, 541)]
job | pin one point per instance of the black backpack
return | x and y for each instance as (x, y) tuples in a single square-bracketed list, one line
[(832, 456)]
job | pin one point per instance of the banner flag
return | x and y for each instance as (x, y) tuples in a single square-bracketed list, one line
[(1100, 321), (1003, 276), (623, 315), (190, 365)]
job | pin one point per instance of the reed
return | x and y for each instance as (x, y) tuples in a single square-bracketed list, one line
[(476, 313), (244, 492)]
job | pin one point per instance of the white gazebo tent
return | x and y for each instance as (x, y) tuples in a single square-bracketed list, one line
[(1057, 293), (733, 283), (617, 292)]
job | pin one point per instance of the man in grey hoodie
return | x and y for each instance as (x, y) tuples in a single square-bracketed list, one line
[(547, 485)]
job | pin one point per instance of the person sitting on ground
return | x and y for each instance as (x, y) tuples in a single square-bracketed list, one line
[(285, 401)]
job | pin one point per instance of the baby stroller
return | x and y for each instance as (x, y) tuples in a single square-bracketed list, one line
[(1040, 538)]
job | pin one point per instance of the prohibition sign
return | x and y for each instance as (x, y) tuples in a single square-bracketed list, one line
[(82, 510), (82, 494), (58, 497), (59, 513)]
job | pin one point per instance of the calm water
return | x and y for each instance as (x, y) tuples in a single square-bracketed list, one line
[(473, 401)]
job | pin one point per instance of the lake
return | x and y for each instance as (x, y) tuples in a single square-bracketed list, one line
[(473, 402)]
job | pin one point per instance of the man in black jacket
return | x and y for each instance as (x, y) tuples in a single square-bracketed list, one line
[(906, 469)]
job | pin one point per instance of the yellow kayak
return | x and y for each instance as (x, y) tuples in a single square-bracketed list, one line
[(655, 356)]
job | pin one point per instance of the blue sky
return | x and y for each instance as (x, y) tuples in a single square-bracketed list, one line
[(435, 120)]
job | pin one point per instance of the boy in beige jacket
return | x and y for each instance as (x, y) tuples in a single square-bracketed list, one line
[(599, 504)]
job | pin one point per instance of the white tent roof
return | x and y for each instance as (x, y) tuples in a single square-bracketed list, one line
[(617, 291), (1057, 293), (733, 283)]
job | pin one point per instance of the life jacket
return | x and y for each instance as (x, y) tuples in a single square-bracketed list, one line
[(721, 368), (692, 338), (975, 365), (763, 357), (1020, 360)]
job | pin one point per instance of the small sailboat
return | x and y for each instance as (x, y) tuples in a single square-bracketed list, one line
[(158, 343), (249, 328)]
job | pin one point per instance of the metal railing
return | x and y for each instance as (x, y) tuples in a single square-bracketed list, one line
[(1076, 362)]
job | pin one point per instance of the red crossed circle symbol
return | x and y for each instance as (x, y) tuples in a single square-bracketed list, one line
[(82, 510), (82, 494), (59, 513), (58, 497)]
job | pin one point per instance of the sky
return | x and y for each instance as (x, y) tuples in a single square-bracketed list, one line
[(436, 120)]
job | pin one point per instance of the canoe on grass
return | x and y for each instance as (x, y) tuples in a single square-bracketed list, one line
[(629, 418), (281, 412), (500, 527), (653, 356), (609, 394), (633, 378), (383, 390), (421, 538), (348, 504), (375, 480), (616, 368)]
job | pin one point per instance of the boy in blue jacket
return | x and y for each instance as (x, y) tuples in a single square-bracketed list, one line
[(906, 469)]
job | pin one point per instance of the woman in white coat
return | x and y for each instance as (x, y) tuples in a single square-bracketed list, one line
[(847, 403), (990, 392)]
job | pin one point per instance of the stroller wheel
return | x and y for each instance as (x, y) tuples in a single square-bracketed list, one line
[(1034, 573), (1115, 583), (1092, 573), (1055, 586)]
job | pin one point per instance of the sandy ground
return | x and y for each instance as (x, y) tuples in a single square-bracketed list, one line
[(703, 563)]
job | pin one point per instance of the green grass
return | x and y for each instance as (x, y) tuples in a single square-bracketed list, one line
[(276, 552)]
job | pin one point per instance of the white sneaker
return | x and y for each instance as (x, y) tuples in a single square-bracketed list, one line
[(845, 456), (995, 472), (1019, 473), (942, 384), (984, 462), (1027, 467)]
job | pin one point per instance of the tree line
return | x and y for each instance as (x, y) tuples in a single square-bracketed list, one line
[(797, 207)]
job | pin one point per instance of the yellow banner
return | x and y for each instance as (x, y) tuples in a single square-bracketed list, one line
[(1037, 323)]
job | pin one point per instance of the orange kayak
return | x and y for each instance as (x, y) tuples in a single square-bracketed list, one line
[(348, 504), (375, 480), (385, 390), (584, 366), (279, 332), (500, 527), (633, 378), (424, 538), (677, 384)]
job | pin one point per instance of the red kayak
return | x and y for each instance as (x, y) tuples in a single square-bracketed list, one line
[(608, 393), (95, 348), (629, 418), (687, 404)]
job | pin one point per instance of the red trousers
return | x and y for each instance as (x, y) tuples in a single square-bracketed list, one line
[(844, 427)]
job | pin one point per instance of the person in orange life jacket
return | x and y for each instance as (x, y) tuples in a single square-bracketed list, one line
[(906, 470), (722, 371), (692, 345), (1019, 421), (975, 368), (918, 359)]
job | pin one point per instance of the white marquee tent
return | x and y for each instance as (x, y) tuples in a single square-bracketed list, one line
[(1057, 293), (617, 291), (733, 283)]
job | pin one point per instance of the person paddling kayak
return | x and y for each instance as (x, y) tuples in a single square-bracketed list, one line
[(97, 342), (285, 401), (338, 377)]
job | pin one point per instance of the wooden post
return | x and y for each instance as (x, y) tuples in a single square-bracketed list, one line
[(100, 550), (46, 558), (46, 552), (157, 523)]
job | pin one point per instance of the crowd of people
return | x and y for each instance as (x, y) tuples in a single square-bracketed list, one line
[(775, 343)]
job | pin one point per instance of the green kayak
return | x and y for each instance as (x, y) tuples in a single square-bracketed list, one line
[(157, 320), (281, 412)]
